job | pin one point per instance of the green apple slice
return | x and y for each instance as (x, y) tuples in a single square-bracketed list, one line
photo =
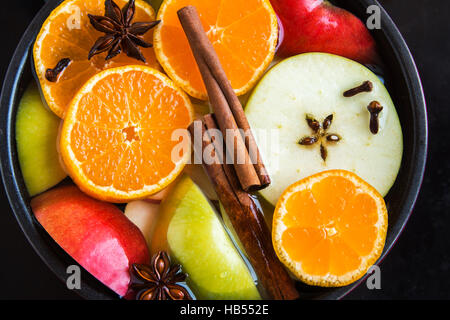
[(36, 135), (191, 230), (313, 84)]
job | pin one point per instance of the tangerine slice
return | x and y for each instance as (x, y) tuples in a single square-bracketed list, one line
[(67, 33), (243, 33), (329, 228), (116, 139)]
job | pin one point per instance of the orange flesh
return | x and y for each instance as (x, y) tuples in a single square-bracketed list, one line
[(123, 129), (239, 30), (330, 226), (66, 40)]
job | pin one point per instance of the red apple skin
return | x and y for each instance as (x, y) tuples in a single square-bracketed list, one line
[(318, 26), (96, 234)]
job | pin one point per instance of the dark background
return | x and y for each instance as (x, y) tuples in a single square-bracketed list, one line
[(416, 268)]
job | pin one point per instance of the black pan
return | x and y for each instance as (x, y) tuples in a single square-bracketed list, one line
[(402, 80)]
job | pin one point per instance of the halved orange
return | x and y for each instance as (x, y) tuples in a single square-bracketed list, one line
[(117, 140), (330, 228), (67, 33), (244, 34)]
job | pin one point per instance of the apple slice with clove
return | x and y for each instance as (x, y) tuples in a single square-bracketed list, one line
[(314, 127)]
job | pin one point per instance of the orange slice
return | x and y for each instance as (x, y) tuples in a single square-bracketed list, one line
[(67, 33), (116, 140), (244, 34), (328, 229)]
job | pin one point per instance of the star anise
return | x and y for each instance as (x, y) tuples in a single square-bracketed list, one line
[(321, 134), (120, 34), (159, 280)]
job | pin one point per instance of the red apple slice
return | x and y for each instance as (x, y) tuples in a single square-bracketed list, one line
[(319, 26), (96, 234)]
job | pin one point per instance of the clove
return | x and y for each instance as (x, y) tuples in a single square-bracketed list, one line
[(52, 74), (366, 86), (374, 108)]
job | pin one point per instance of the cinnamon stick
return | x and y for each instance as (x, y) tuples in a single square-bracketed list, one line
[(250, 169), (246, 218)]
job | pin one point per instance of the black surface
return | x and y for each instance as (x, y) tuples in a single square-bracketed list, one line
[(415, 268)]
